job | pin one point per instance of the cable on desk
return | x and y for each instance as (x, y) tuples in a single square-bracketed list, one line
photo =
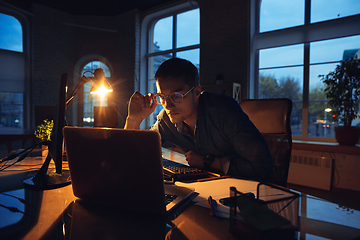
[(23, 201), (21, 154)]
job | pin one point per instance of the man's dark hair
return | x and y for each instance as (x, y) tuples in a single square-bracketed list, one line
[(179, 68)]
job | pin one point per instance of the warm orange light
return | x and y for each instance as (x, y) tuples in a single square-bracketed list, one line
[(101, 91), (100, 86)]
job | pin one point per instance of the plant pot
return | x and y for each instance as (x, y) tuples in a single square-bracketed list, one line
[(347, 136)]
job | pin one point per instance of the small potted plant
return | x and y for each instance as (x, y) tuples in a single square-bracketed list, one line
[(43, 132), (343, 92)]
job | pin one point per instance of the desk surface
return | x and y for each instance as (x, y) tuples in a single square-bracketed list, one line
[(45, 212), (15, 130)]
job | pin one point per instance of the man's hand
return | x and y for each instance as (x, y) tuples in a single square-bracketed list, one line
[(140, 107), (194, 159)]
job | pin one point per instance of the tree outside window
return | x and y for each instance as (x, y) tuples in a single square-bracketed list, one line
[(292, 48)]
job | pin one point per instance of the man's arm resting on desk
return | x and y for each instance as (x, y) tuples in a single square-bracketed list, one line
[(197, 160)]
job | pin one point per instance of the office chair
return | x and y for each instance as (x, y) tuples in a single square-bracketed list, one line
[(272, 118)]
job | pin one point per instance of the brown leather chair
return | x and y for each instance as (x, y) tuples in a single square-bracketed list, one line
[(272, 118)]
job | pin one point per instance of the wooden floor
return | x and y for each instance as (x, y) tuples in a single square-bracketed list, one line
[(343, 197)]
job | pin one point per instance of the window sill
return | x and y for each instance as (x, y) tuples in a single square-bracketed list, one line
[(325, 147)]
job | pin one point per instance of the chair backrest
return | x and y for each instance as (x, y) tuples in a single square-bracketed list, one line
[(272, 118)]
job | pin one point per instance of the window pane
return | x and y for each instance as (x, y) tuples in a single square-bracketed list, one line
[(278, 14), (320, 123), (188, 28), (277, 81), (322, 10), (315, 71), (284, 83), (11, 109), (163, 34), (333, 50), (154, 63), (92, 100), (191, 55), (281, 56), (11, 33), (91, 66)]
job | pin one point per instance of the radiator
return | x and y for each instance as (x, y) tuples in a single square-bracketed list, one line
[(311, 171)]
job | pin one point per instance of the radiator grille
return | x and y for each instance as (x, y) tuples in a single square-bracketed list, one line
[(312, 161), (311, 171)]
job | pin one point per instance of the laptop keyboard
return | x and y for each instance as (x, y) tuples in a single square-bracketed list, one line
[(169, 198), (178, 171)]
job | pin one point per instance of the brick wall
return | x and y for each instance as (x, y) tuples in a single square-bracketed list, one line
[(224, 37), (59, 40)]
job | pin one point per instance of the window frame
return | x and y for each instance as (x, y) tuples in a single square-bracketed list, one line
[(76, 108), (303, 34), (147, 27), (84, 92), (22, 16)]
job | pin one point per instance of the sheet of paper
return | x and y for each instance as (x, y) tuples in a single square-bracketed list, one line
[(218, 189)]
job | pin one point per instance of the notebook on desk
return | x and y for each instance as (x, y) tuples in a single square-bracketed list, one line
[(121, 168)]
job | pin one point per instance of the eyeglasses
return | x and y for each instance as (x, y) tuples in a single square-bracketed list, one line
[(175, 97)]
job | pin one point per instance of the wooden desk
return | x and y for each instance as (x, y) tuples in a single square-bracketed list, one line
[(8, 135), (46, 212)]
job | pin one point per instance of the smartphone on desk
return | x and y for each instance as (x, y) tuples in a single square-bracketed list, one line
[(226, 201)]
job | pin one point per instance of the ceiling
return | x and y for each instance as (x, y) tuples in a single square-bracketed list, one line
[(91, 7)]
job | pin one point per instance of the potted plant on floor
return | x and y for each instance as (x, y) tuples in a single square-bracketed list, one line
[(343, 92), (43, 132)]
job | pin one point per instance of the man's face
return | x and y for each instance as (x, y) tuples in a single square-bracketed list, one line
[(178, 112)]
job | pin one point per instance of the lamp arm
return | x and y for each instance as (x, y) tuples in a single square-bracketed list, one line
[(76, 90)]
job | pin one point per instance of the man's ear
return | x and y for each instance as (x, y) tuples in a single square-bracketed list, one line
[(197, 90)]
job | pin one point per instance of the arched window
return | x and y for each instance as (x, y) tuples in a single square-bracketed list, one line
[(12, 69), (173, 32), (92, 100), (11, 33)]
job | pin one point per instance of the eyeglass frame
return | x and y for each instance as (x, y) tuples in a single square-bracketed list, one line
[(168, 96)]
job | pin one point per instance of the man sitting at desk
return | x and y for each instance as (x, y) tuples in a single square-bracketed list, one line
[(211, 129)]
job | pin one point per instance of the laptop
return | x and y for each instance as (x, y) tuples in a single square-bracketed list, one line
[(121, 168)]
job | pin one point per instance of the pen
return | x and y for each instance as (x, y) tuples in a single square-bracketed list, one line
[(213, 206), (212, 178)]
